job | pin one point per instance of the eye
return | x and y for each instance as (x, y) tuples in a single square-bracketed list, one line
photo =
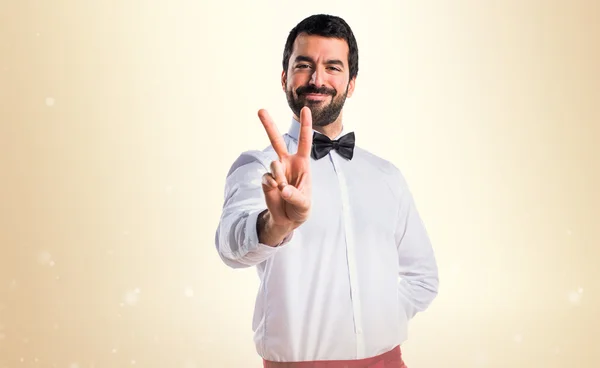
[(302, 66), (335, 68)]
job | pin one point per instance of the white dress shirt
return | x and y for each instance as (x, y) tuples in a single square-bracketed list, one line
[(345, 283)]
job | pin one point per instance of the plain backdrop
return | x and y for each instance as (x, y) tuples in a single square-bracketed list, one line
[(120, 119)]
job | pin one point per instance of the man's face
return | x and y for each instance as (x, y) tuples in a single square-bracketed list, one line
[(318, 77)]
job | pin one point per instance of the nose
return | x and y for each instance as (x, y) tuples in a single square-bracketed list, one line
[(316, 78)]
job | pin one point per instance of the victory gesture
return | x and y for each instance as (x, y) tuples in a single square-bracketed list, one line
[(287, 188)]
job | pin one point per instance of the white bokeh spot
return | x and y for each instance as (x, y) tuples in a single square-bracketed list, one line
[(45, 258), (50, 101), (132, 297), (518, 338), (189, 292), (575, 296)]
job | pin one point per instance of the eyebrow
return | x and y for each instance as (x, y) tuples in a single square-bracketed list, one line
[(310, 60)]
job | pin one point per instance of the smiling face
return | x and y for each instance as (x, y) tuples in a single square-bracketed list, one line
[(318, 77)]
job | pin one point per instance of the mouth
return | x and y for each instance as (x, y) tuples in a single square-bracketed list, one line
[(315, 96)]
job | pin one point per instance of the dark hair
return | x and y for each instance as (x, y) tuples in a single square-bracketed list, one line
[(327, 26)]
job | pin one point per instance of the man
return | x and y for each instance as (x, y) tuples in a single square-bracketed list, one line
[(342, 255)]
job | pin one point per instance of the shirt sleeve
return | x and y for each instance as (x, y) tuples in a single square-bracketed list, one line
[(418, 273), (236, 238)]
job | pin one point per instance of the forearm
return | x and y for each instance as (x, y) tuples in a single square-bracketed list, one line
[(244, 238), (237, 240), (418, 271), (417, 292)]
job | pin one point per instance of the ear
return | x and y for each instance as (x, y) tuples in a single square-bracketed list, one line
[(351, 87), (283, 80)]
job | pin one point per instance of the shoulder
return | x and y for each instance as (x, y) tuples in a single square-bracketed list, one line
[(251, 158), (260, 159), (378, 163)]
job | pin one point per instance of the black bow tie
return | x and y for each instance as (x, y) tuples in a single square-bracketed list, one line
[(322, 145)]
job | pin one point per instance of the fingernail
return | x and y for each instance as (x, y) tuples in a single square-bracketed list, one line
[(286, 192)]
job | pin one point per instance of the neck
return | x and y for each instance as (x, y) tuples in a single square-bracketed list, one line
[(330, 130)]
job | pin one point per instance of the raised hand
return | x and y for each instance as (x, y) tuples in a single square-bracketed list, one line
[(287, 188)]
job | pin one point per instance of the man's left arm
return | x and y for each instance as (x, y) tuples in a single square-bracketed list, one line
[(418, 281)]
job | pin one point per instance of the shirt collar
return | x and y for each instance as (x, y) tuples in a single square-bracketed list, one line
[(294, 130)]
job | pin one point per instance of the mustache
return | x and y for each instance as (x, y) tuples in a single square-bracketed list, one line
[(312, 89)]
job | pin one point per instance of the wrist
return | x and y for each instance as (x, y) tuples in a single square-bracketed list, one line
[(277, 228), (269, 232)]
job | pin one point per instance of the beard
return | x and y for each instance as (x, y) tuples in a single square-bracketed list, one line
[(323, 113)]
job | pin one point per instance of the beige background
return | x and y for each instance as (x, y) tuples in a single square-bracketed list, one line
[(120, 119)]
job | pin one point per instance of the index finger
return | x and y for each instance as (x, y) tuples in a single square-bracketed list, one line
[(306, 135), (274, 136)]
